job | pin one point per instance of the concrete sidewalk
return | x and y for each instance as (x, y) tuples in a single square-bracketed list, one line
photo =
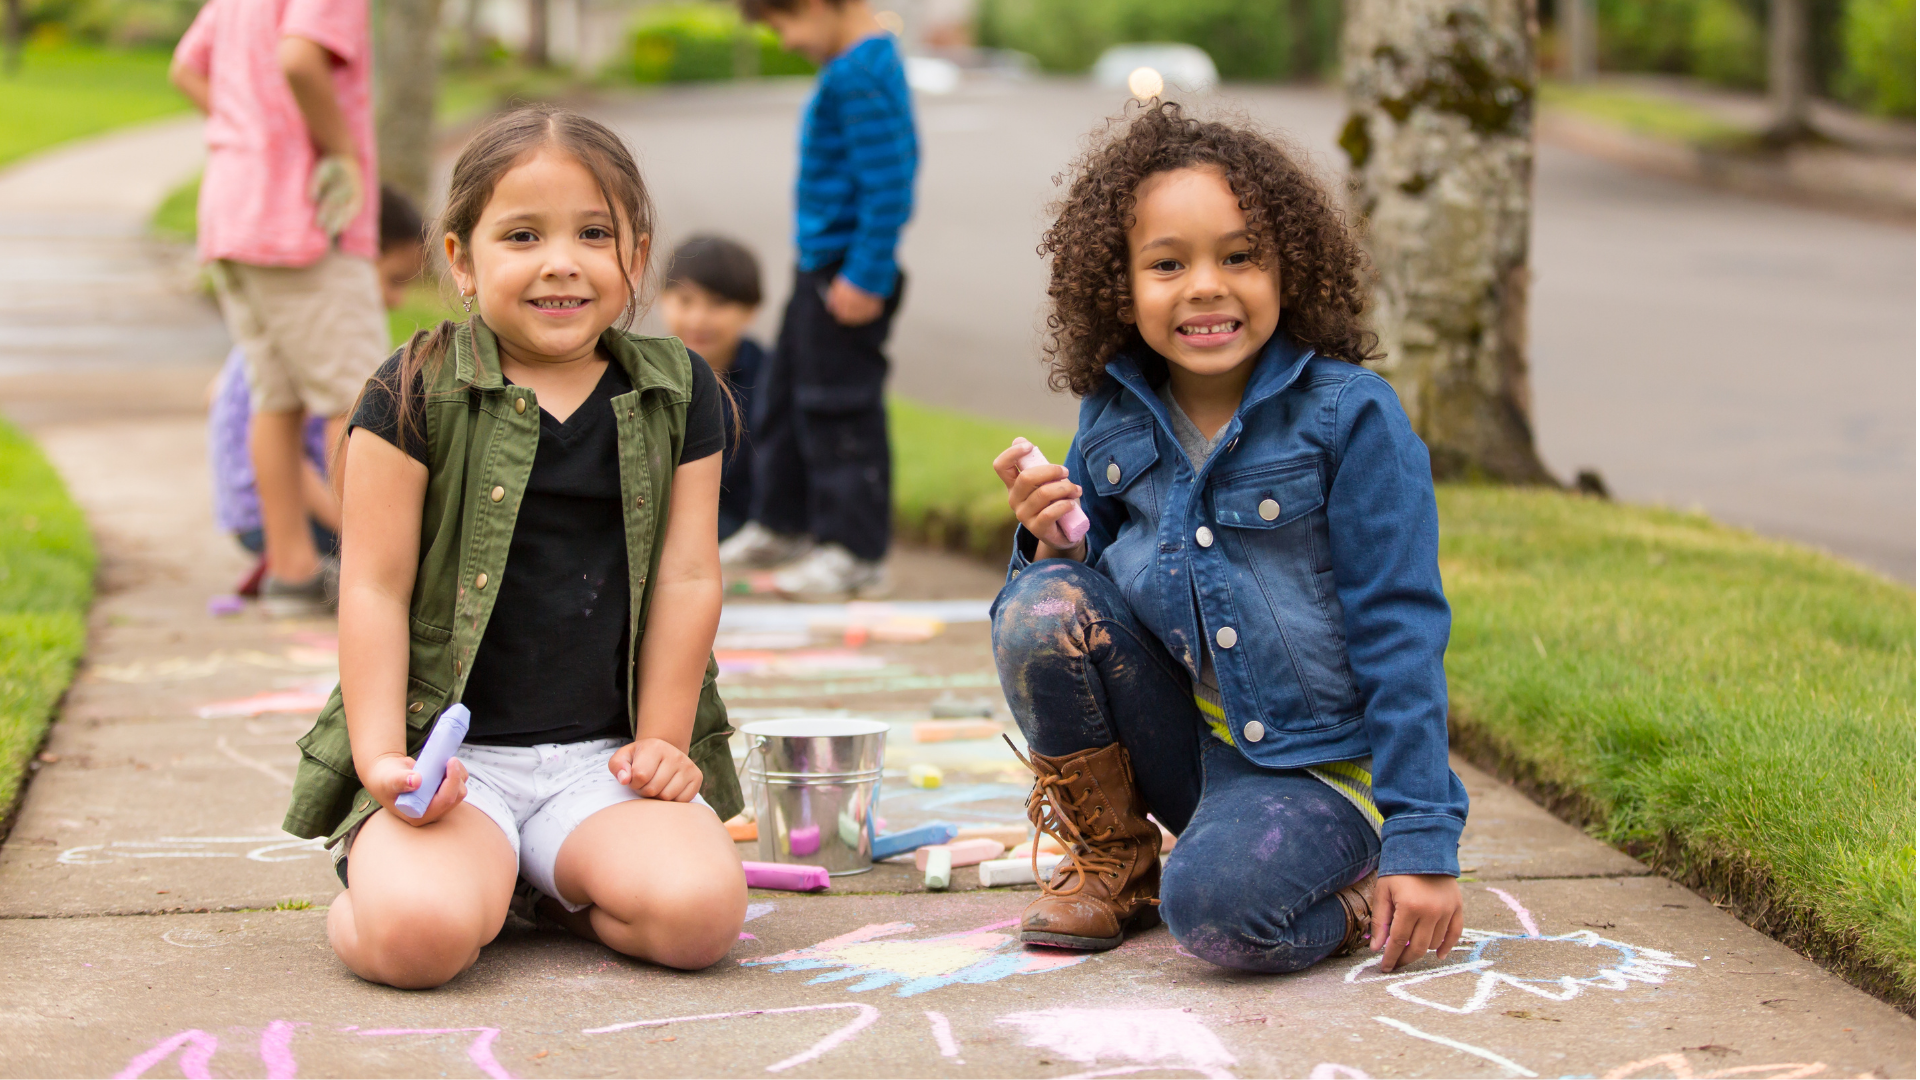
[(157, 923)]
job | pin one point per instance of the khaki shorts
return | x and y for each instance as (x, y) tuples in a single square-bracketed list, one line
[(311, 334)]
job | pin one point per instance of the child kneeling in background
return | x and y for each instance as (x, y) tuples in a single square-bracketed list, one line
[(712, 293), (529, 506), (1247, 640)]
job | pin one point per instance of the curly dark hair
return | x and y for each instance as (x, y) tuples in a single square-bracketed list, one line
[(1324, 283)]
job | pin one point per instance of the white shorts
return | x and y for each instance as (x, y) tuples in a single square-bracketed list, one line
[(539, 794)]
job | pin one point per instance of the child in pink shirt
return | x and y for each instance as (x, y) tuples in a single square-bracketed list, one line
[(290, 238)]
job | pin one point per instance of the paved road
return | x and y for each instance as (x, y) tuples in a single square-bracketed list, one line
[(1698, 348)]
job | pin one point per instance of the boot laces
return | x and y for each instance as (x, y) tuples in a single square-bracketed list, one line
[(1055, 811)]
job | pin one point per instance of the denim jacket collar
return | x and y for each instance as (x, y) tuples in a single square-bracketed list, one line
[(1280, 363)]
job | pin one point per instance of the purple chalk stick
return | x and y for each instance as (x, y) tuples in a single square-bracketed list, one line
[(226, 605), (804, 840), (448, 732), (793, 877)]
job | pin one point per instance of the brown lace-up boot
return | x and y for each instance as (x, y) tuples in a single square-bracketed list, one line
[(1109, 881), (1357, 899)]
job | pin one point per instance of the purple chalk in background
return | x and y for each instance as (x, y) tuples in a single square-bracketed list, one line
[(226, 605), (448, 732), (1073, 524), (792, 877), (804, 840)]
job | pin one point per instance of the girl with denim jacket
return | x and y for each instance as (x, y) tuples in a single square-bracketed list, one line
[(1244, 634)]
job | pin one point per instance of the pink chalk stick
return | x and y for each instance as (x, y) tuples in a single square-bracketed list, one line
[(969, 852), (793, 877), (1073, 524), (804, 840)]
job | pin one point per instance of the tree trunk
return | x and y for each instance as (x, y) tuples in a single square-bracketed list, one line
[(1787, 71), (470, 33), (1440, 139), (1579, 34), (537, 53), (408, 65)]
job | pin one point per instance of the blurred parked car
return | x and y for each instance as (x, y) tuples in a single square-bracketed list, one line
[(1183, 67)]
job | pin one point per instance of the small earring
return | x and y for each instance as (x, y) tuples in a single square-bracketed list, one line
[(466, 301)]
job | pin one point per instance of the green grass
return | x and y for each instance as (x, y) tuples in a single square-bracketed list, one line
[(1643, 114), (427, 304), (67, 91), (944, 490), (46, 582), (178, 215), (1736, 710), (1739, 712)]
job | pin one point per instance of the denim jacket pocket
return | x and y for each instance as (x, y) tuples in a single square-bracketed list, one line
[(1116, 459), (1268, 498)]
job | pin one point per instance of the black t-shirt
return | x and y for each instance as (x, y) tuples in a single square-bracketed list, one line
[(551, 667)]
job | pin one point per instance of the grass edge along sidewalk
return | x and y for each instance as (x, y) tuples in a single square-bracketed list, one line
[(46, 585), (67, 91), (1737, 712)]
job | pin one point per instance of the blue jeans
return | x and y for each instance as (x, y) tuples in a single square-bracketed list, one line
[(1262, 851)]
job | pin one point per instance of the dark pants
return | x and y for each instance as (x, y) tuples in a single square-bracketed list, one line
[(821, 462), (1261, 852)]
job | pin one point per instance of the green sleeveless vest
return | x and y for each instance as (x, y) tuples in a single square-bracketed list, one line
[(481, 437)]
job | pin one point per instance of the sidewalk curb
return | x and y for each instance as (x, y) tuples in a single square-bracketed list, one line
[(1865, 185)]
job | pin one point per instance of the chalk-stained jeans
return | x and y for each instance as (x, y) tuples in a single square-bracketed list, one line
[(1262, 851)]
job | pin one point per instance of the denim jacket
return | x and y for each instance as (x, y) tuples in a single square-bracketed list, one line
[(1305, 554)]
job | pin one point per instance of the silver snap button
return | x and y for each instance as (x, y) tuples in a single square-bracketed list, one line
[(1226, 637), (1204, 535), (1113, 472), (1254, 731), (1269, 509)]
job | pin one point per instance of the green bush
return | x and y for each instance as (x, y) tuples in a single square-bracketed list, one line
[(1723, 41), (1247, 39), (151, 23), (703, 41), (1876, 39)]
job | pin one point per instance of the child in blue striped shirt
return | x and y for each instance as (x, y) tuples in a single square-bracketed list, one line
[(822, 476)]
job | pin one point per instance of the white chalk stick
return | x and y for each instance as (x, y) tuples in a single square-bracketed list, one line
[(964, 852), (939, 867), (1016, 871)]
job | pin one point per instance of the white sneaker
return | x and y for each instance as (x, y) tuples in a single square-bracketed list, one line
[(756, 547), (830, 572)]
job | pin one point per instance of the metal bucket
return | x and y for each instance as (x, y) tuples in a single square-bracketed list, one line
[(817, 786)]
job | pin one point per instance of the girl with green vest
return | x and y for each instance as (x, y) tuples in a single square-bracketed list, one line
[(530, 502)]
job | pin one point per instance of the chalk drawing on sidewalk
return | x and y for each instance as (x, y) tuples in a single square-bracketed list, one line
[(196, 1049), (183, 668), (186, 937), (1126, 1040), (864, 1017), (1558, 967), (272, 849), (479, 1051), (943, 1036), (273, 772), (917, 965), (1455, 1044)]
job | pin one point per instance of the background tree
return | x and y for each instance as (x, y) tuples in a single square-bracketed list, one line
[(1440, 140), (1787, 70), (407, 63)]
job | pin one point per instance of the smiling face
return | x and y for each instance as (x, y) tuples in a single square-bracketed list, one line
[(542, 262), (1199, 298), (709, 324)]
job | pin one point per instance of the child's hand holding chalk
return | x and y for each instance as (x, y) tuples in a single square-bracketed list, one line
[(396, 775), (656, 769), (1043, 498)]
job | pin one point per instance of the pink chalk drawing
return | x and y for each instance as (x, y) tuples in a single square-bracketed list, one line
[(1526, 917), (1455, 1044), (276, 1050), (917, 965), (195, 1047), (480, 1051), (864, 1018), (1679, 1068), (943, 1035), (1498, 961), (1327, 1070), (1139, 1040), (281, 848)]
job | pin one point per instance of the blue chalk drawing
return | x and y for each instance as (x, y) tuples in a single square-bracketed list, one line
[(874, 959)]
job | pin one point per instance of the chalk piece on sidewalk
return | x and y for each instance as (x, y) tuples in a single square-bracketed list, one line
[(1010, 835), (950, 730), (939, 867), (743, 830), (1016, 871), (226, 605), (962, 852), (933, 832), (804, 840), (792, 877), (925, 776)]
